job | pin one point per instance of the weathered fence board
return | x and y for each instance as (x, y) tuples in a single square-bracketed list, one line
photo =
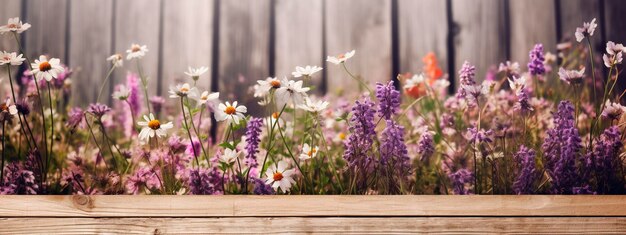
[(187, 40), (352, 225), (532, 21), (574, 12), (137, 22), (47, 36), (89, 46), (481, 30), (421, 32), (299, 37), (310, 205), (244, 48), (365, 28)]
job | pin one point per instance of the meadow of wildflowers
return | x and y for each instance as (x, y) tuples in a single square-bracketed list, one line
[(550, 127)]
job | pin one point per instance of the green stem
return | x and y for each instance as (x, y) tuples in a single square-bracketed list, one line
[(270, 141), (193, 125), (593, 74), (193, 147), (361, 83), (282, 136), (4, 140), (106, 80), (144, 83), (51, 125)]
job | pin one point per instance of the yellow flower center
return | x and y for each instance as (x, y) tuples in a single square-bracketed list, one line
[(154, 124), (310, 153), (4, 107), (135, 48), (341, 56), (184, 89), (44, 66), (342, 136), (278, 176), (275, 115), (275, 84), (230, 110), (12, 26)]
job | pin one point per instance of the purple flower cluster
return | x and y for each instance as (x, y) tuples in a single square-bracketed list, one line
[(535, 65), (523, 101), (461, 180), (561, 149), (388, 100), (204, 182), (260, 188), (393, 151), (98, 109), (467, 76), (359, 144), (426, 146), (18, 180), (604, 160), (479, 136), (134, 85), (253, 139), (527, 173)]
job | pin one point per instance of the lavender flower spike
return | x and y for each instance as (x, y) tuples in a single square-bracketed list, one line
[(388, 98), (527, 174), (253, 133), (535, 65)]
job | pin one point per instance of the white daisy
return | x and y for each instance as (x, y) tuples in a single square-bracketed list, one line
[(305, 71), (117, 60), (196, 73), (152, 127), (263, 87), (207, 98), (272, 119), (290, 91), (11, 58), (229, 156), (136, 51), (280, 177), (308, 152), (313, 106), (612, 110), (341, 58), (14, 25), (416, 80), (182, 90), (8, 107), (340, 137), (122, 93), (42, 68), (227, 111), (517, 84)]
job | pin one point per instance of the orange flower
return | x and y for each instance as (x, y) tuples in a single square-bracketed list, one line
[(431, 66), (432, 72)]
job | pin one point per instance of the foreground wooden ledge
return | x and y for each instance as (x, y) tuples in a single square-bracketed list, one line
[(311, 214), (310, 206)]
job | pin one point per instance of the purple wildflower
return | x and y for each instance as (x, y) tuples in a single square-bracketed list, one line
[(461, 180), (23, 107), (467, 76), (393, 151), (359, 144), (253, 133), (523, 101), (75, 117), (134, 85), (260, 188), (18, 181), (527, 174), (388, 100), (176, 144), (426, 146), (98, 109), (203, 182), (605, 160), (157, 103), (194, 148), (479, 136), (535, 65), (561, 149)]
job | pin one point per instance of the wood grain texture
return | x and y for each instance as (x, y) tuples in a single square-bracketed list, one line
[(243, 206), (365, 28), (614, 20), (90, 46), (299, 37), (137, 22), (243, 49), (574, 12), (481, 34), (423, 28), (187, 36), (532, 22), (351, 225), (47, 36)]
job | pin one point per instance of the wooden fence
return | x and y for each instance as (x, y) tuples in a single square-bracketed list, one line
[(245, 40), (586, 214)]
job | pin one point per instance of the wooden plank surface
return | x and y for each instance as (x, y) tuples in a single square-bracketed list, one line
[(423, 28), (228, 206), (481, 34), (532, 22), (352, 225), (243, 49), (137, 22), (47, 36), (299, 38), (187, 40), (366, 28), (90, 46)]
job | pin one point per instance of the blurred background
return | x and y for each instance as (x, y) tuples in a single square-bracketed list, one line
[(242, 41)]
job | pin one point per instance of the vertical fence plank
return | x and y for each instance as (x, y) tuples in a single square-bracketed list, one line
[(615, 25), (90, 45), (481, 38), (422, 29), (532, 21), (366, 28), (47, 35), (243, 49), (10, 9), (299, 37), (187, 40), (137, 21)]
